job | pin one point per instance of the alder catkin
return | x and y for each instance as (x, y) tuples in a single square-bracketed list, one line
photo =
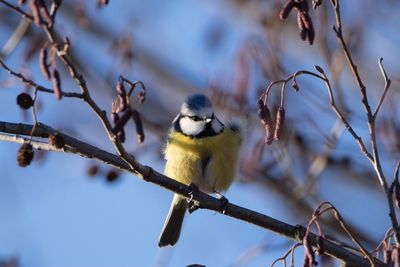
[(56, 140), (121, 122), (286, 9), (120, 88), (139, 126), (25, 154), (269, 133), (33, 4), (56, 84), (280, 120), (44, 67)]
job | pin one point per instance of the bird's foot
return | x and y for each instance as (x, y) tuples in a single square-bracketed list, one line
[(192, 206)]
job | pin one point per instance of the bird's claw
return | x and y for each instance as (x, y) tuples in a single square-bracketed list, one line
[(192, 206)]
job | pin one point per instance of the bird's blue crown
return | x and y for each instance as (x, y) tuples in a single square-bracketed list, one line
[(196, 102)]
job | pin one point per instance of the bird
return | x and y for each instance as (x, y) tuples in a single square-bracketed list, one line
[(200, 151)]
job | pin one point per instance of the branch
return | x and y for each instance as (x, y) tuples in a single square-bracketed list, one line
[(29, 82), (386, 88), (332, 103), (204, 201), (18, 10)]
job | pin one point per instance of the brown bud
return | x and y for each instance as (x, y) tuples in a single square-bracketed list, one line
[(319, 69), (92, 170), (24, 101), (25, 154), (44, 67), (56, 84), (280, 120), (287, 8), (21, 2), (35, 12), (112, 176), (56, 140), (139, 126)]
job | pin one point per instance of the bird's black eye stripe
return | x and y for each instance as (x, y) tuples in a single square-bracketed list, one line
[(195, 118)]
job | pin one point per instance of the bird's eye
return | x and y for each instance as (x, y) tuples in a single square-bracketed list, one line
[(195, 118)]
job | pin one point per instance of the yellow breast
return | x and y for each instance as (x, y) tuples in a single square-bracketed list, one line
[(209, 162)]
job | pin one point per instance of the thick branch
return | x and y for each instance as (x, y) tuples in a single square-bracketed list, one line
[(205, 201)]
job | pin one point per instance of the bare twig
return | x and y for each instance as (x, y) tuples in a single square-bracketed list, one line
[(284, 257), (17, 9), (332, 102), (34, 113), (386, 88), (204, 201), (37, 87), (318, 212)]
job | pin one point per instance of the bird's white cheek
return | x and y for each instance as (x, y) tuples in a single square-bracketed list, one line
[(190, 127)]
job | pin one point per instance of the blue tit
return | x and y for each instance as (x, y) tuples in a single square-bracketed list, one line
[(202, 151)]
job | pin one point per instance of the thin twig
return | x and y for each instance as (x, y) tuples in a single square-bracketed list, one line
[(34, 113), (386, 88), (371, 117), (17, 9), (283, 258), (37, 87), (332, 102)]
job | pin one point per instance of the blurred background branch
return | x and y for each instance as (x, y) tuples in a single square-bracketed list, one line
[(234, 48)]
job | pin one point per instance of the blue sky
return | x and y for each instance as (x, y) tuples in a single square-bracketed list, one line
[(52, 214)]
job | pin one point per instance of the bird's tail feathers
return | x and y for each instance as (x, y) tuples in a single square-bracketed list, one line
[(173, 224)]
